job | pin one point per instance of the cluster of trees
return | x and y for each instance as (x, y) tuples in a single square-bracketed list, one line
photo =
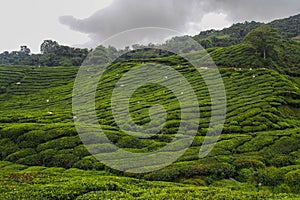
[(52, 54), (287, 28), (226, 37)]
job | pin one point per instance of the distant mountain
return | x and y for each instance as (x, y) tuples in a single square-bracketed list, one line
[(288, 28)]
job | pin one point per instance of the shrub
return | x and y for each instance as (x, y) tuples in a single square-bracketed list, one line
[(269, 176), (167, 174), (31, 139), (246, 175), (89, 163), (194, 181), (20, 154), (14, 131), (282, 188), (7, 147), (292, 179), (248, 162), (46, 157), (281, 161), (130, 142), (81, 151), (60, 143), (220, 170), (64, 160), (32, 160), (101, 148)]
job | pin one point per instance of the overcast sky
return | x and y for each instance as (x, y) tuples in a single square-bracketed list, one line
[(86, 23)]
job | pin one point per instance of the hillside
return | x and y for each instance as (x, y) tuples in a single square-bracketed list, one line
[(257, 156), (288, 28), (260, 134)]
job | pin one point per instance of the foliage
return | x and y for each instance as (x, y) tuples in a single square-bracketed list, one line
[(263, 40), (56, 183), (259, 144), (288, 28), (52, 54)]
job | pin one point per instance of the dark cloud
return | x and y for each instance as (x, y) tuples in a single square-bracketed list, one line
[(179, 15), (259, 10)]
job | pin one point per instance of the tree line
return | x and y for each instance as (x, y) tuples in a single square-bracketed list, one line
[(262, 39), (52, 54)]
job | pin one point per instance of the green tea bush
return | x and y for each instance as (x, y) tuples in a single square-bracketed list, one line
[(194, 181), (32, 139), (89, 163), (7, 147), (284, 145), (292, 179), (32, 160), (47, 156), (130, 142), (282, 188), (246, 175), (257, 143), (60, 143), (248, 162), (101, 148), (81, 151), (15, 130), (282, 160), (65, 160), (270, 176), (20, 154)]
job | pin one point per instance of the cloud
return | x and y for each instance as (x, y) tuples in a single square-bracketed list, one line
[(259, 10), (178, 15)]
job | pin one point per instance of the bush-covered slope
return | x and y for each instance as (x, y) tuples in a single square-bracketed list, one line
[(285, 57), (260, 133), (23, 182)]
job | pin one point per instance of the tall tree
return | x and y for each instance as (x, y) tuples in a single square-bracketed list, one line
[(263, 39), (49, 46)]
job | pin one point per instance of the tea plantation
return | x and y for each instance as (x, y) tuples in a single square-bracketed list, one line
[(256, 157)]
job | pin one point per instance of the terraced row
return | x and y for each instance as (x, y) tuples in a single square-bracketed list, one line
[(37, 129)]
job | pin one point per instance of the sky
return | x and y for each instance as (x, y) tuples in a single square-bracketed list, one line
[(87, 23)]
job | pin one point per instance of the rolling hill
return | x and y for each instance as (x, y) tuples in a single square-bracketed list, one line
[(260, 134), (257, 156)]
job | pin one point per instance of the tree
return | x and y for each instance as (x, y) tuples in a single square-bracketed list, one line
[(263, 39), (49, 46), (99, 56), (25, 50)]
